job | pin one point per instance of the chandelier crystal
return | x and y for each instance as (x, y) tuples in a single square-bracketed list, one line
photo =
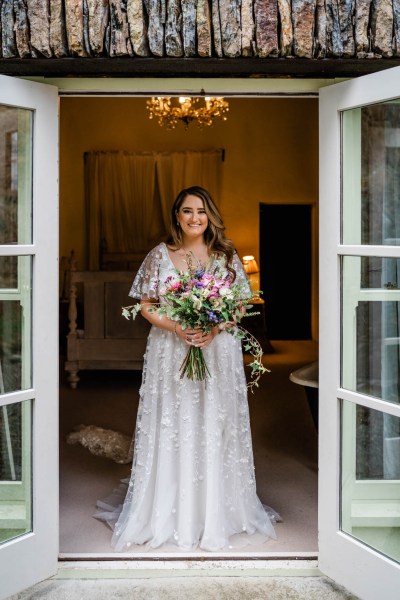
[(185, 110)]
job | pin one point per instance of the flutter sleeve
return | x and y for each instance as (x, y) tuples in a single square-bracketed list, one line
[(241, 276), (146, 282)]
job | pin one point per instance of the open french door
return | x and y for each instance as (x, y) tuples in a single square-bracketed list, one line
[(28, 333), (359, 390)]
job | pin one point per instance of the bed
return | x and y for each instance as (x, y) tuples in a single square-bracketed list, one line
[(99, 337)]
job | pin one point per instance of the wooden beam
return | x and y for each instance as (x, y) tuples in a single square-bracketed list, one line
[(194, 67)]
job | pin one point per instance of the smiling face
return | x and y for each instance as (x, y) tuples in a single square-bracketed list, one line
[(192, 217)]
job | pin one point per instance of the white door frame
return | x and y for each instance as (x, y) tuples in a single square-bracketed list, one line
[(32, 557), (346, 560), (237, 88)]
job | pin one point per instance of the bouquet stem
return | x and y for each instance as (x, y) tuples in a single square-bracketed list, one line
[(194, 365)]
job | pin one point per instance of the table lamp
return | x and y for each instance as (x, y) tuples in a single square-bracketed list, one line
[(253, 272)]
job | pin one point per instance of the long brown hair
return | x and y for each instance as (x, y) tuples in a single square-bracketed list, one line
[(214, 235)]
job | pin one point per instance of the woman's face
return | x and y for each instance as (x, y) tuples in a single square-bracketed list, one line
[(192, 217)]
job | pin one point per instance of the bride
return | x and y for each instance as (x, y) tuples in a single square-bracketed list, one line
[(192, 481)]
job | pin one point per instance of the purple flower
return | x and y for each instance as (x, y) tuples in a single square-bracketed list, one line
[(212, 316), (198, 284)]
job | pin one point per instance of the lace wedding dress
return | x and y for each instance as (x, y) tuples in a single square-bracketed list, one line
[(192, 481)]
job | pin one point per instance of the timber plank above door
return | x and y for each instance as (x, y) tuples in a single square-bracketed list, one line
[(178, 38)]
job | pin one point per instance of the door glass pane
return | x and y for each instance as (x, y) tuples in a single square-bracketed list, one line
[(15, 175), (371, 174), (371, 326), (380, 272), (370, 478), (15, 323), (15, 470)]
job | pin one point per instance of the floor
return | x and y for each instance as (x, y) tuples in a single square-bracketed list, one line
[(217, 588), (284, 442)]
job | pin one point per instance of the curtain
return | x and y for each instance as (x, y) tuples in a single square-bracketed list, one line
[(129, 196), (178, 170)]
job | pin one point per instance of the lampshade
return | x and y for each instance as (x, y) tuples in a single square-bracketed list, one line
[(250, 264)]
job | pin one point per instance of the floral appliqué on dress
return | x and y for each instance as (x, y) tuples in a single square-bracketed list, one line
[(192, 481)]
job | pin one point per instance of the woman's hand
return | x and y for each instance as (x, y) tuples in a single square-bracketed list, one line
[(196, 337), (229, 324)]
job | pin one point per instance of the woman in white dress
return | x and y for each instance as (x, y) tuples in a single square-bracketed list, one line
[(192, 481)]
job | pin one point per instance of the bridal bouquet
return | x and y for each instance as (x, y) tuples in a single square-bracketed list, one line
[(201, 299)]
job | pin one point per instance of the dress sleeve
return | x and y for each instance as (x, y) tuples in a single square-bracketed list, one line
[(241, 275), (146, 282)]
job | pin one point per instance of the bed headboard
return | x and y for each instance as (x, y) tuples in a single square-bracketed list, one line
[(105, 340)]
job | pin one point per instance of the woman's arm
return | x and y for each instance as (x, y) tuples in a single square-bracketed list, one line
[(159, 321), (193, 337)]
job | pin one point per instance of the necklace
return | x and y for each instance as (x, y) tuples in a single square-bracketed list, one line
[(189, 254)]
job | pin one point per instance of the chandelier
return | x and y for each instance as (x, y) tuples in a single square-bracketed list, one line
[(185, 110)]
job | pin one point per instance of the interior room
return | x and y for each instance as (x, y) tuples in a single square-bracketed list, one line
[(264, 176)]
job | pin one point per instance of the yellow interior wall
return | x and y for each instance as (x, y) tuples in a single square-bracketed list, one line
[(271, 156)]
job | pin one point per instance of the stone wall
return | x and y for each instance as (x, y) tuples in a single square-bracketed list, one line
[(200, 28)]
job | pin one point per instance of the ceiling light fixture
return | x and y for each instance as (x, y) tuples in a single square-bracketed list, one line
[(185, 110)]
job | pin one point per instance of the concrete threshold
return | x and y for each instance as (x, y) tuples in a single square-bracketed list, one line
[(178, 588), (197, 579), (176, 567)]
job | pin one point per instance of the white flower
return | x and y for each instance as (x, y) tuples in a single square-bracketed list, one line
[(217, 302), (196, 303), (227, 292)]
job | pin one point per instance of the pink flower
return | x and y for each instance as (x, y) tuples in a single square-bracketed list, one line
[(218, 283)]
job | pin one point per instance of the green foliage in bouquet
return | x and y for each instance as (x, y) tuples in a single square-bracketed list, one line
[(201, 299)]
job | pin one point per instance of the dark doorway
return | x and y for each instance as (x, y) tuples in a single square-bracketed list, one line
[(285, 265)]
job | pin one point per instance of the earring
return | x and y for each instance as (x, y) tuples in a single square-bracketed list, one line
[(178, 224)]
